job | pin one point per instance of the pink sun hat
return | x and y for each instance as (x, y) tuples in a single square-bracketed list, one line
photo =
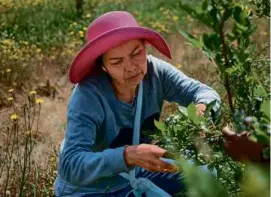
[(107, 32)]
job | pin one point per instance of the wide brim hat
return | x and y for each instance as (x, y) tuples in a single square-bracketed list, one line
[(107, 32)]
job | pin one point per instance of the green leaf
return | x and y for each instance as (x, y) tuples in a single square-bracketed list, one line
[(191, 112), (256, 181), (193, 40), (240, 16), (263, 138), (204, 5), (260, 136), (199, 182), (199, 14), (266, 153), (227, 14), (265, 108), (211, 41), (183, 110), (160, 125), (260, 91)]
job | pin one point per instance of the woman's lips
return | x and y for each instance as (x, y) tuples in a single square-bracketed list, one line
[(134, 76)]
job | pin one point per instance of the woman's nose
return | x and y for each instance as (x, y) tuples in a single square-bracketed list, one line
[(130, 66)]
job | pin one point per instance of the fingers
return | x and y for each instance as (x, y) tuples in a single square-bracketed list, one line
[(232, 136), (229, 134), (148, 157), (200, 109), (157, 151), (226, 130), (164, 165), (156, 164)]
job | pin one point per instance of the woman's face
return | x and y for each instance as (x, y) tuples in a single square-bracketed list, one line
[(127, 63)]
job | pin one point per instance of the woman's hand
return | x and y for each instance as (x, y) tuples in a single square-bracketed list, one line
[(148, 157), (200, 109), (240, 147)]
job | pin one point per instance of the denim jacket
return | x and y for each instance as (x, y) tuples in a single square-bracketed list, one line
[(99, 126)]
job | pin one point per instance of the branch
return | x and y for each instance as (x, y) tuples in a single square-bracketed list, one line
[(225, 56)]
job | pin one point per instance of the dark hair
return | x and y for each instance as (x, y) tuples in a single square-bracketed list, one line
[(99, 61)]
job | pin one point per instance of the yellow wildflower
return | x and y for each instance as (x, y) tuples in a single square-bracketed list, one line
[(85, 28), (88, 15), (32, 92), (7, 42), (71, 33), (175, 18), (39, 101), (10, 90), (14, 117), (38, 50), (81, 34), (10, 99), (27, 133), (8, 70)]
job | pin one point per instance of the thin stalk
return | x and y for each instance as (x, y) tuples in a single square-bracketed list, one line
[(37, 181), (226, 64), (10, 159), (22, 182)]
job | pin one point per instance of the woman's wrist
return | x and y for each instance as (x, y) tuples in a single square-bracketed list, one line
[(128, 151)]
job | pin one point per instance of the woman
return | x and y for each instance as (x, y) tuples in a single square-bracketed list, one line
[(98, 141)]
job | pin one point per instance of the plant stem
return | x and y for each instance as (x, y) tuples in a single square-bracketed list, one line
[(22, 183), (10, 157), (226, 64)]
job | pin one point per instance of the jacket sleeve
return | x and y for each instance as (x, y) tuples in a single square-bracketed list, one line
[(182, 89), (78, 163)]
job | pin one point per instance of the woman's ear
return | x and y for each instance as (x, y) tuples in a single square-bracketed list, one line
[(104, 68), (100, 62)]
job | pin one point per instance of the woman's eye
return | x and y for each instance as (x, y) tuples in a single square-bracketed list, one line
[(135, 54), (116, 63)]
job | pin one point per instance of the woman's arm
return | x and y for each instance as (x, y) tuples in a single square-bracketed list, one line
[(180, 88), (78, 164)]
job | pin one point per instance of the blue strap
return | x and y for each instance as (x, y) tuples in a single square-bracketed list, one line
[(142, 185), (137, 123)]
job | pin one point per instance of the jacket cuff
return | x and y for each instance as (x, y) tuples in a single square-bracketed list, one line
[(115, 160), (216, 110)]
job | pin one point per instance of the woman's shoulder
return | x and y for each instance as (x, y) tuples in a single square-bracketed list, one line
[(95, 84), (157, 63), (158, 67)]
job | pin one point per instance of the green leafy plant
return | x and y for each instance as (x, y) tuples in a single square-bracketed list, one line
[(229, 46), (199, 140)]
